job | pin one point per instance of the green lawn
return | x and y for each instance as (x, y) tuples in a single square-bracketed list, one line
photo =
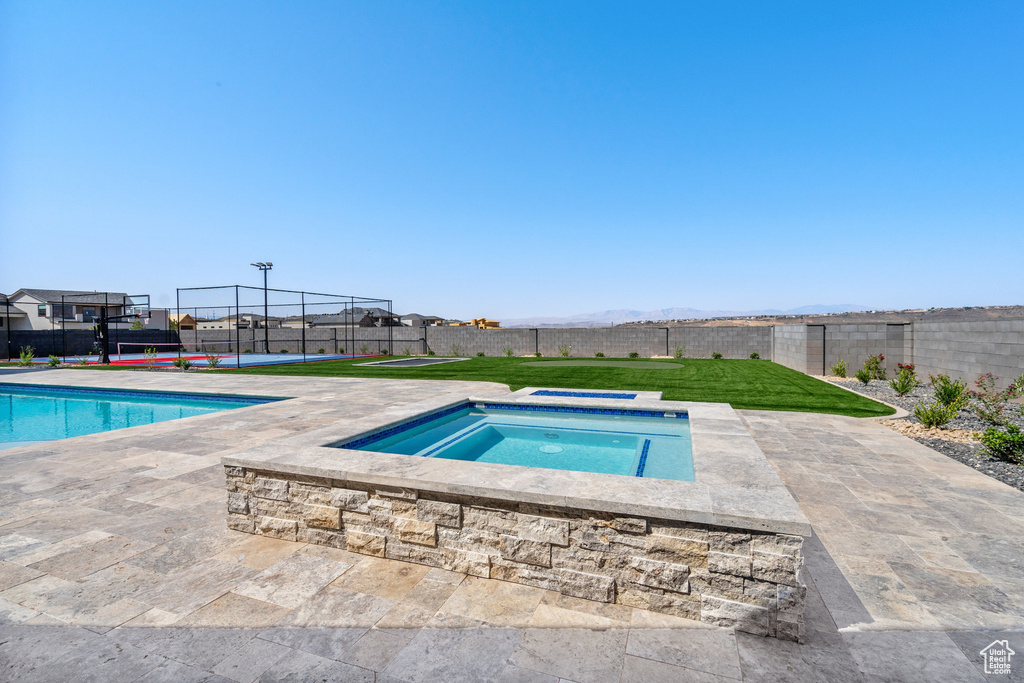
[(745, 384)]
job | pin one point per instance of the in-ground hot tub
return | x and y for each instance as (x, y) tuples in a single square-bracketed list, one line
[(631, 442), (724, 548)]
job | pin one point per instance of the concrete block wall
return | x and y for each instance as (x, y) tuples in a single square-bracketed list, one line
[(966, 350), (854, 343), (789, 346), (616, 342)]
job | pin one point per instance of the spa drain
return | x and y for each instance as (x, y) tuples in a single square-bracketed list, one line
[(551, 448)]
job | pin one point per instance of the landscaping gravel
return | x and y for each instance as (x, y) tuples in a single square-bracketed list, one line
[(968, 454)]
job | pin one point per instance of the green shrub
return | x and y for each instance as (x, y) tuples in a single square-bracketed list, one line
[(538, 354), (150, 353), (839, 368), (83, 360), (634, 354), (755, 356), (212, 361), (1005, 445), (507, 352), (406, 351), (989, 402), (904, 382), (479, 354), (284, 350), (716, 355), (678, 351), (864, 375), (183, 363), (599, 354), (430, 352), (321, 351), (936, 414), (947, 390), (27, 355), (875, 366), (563, 350), (456, 350), (53, 361), (364, 349), (385, 352)]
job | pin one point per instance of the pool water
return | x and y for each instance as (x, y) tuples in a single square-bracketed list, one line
[(32, 413), (636, 443)]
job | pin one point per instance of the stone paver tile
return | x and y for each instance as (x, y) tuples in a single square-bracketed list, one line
[(255, 657), (303, 667), (60, 524), (330, 643), (189, 589), (455, 655), (153, 489), (961, 599), (48, 550), (257, 552), (12, 613), (161, 525), (235, 611), (554, 617), (971, 643), (946, 561), (823, 657), (87, 559), (640, 670), (644, 619), (96, 662), (445, 576), (513, 674), (203, 648), (418, 606), (190, 498), (338, 608), (170, 671), (154, 617), (909, 657), (495, 602), (12, 545), (293, 580), (27, 649), (376, 648), (12, 574), (386, 579), (890, 603), (702, 650), (182, 551), (620, 615), (582, 654)]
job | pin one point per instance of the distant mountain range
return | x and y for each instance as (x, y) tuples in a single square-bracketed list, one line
[(615, 317)]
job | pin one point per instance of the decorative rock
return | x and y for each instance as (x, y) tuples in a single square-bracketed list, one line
[(274, 489), (723, 563), (437, 512), (528, 552), (277, 528), (321, 516), (415, 531), (739, 615), (774, 568), (242, 523), (678, 550), (657, 574), (349, 499), (543, 529), (238, 504), (367, 544), (729, 542), (586, 586), (401, 494)]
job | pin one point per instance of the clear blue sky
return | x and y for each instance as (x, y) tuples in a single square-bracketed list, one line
[(518, 158)]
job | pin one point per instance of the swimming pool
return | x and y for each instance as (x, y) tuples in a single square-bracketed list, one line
[(34, 413), (638, 443)]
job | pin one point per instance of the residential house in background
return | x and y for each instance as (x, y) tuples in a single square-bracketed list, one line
[(46, 309), (417, 320)]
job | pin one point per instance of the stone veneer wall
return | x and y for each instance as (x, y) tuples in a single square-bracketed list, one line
[(748, 580)]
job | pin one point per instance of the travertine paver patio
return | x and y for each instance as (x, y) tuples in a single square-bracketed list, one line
[(115, 564)]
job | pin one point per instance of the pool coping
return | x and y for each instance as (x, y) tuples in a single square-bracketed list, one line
[(735, 485)]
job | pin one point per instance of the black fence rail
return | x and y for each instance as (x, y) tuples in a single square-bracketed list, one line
[(68, 343)]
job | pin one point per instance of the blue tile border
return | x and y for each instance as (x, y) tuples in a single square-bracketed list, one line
[(402, 427), (629, 412), (643, 458), (84, 392), (581, 394)]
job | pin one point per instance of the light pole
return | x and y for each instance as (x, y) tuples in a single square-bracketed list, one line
[(266, 315)]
